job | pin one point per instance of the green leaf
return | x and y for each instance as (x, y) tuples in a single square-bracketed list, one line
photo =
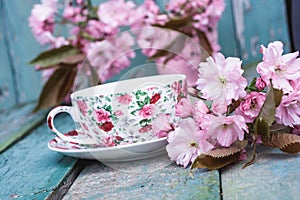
[(261, 127), (268, 109), (147, 100), (277, 97), (57, 87), (54, 56), (140, 103), (144, 122)]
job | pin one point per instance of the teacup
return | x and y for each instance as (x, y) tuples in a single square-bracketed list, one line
[(122, 112)]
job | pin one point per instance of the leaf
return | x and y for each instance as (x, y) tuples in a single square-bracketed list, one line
[(57, 87), (54, 56), (140, 103), (73, 59), (147, 100), (261, 127), (277, 97), (211, 163), (268, 109), (237, 146), (279, 128), (289, 143), (144, 122), (220, 157)]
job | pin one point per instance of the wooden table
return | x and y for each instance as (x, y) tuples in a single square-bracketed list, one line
[(29, 170)]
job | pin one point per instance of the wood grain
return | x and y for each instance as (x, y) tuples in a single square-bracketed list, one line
[(29, 170), (98, 181), (17, 122), (274, 175)]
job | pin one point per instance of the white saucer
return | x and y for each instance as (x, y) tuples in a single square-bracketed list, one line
[(129, 152)]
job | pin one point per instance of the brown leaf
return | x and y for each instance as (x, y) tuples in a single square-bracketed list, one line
[(211, 163), (220, 157), (57, 87), (286, 142), (219, 152)]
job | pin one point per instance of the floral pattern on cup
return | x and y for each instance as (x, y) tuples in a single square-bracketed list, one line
[(116, 119)]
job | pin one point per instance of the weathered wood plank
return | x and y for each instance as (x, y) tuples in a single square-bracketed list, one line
[(256, 23), (226, 32), (21, 48), (275, 175), (7, 93), (29, 170), (16, 122), (170, 182)]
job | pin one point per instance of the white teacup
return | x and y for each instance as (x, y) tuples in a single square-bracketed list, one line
[(121, 112)]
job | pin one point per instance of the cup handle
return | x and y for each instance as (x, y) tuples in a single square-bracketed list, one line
[(50, 122)]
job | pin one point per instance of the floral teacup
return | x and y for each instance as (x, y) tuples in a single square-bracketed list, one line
[(122, 112)]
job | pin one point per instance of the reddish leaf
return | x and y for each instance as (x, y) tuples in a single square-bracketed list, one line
[(286, 142), (237, 146), (57, 87)]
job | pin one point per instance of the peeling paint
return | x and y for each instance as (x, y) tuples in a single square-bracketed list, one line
[(239, 6)]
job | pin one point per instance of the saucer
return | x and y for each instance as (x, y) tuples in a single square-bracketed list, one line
[(128, 152)]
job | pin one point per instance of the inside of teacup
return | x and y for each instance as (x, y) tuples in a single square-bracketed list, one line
[(129, 85)]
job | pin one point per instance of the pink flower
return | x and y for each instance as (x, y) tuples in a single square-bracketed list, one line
[(41, 20), (280, 68), (250, 107), (260, 84), (296, 130), (180, 88), (187, 142), (118, 113), (109, 141), (124, 99), (145, 129), (227, 129), (162, 126), (199, 111), (75, 14), (82, 107), (147, 110), (117, 12), (288, 112), (219, 108), (221, 79), (102, 116), (184, 108)]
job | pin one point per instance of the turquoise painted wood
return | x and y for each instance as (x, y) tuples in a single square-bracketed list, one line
[(22, 48), (171, 182), (226, 32), (275, 175), (256, 23), (29, 170), (18, 121), (7, 93)]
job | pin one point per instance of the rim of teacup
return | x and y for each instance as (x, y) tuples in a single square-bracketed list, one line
[(123, 85)]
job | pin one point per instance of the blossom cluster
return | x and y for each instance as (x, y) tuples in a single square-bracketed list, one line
[(92, 26), (227, 108)]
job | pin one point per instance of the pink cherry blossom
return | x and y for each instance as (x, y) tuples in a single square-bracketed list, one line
[(221, 79), (162, 126), (187, 142), (227, 129), (288, 112), (124, 99), (147, 110), (102, 116), (250, 107), (260, 84), (219, 107), (184, 108), (41, 20), (200, 110), (110, 56), (117, 13), (75, 14), (280, 68)]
